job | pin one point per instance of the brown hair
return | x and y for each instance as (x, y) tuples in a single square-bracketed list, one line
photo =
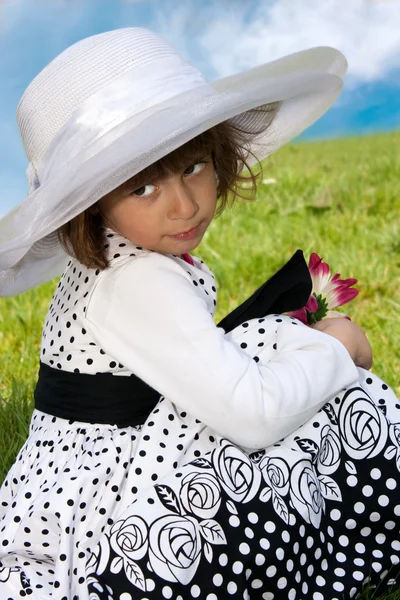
[(83, 237)]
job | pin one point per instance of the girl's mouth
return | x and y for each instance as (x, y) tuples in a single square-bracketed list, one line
[(187, 235)]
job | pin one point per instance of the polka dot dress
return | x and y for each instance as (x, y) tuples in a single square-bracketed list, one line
[(170, 509), (66, 342)]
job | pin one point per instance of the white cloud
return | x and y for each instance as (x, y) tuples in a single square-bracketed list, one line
[(237, 37), (233, 35)]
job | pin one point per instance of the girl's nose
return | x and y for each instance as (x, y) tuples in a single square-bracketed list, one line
[(183, 204)]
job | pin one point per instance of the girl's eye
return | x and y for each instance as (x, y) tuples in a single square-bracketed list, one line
[(140, 192), (202, 163)]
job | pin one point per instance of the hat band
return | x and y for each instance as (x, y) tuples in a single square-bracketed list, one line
[(127, 97)]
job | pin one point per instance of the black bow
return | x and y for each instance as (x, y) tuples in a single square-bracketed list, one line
[(289, 289)]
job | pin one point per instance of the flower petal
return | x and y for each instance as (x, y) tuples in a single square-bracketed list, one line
[(317, 267), (314, 261), (339, 292), (347, 282), (345, 295), (319, 271), (312, 304), (335, 314), (300, 314)]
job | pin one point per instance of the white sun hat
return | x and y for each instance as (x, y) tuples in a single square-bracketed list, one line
[(114, 103)]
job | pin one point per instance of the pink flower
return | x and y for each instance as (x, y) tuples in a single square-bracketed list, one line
[(328, 292)]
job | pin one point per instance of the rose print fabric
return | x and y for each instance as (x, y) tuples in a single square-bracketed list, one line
[(315, 516)]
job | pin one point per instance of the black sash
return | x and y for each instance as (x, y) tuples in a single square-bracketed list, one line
[(101, 398), (127, 400)]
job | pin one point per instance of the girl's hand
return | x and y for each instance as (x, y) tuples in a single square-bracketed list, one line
[(351, 336)]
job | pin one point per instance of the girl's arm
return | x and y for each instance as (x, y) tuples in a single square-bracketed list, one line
[(148, 316)]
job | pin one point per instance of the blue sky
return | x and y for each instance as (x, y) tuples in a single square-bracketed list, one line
[(219, 37)]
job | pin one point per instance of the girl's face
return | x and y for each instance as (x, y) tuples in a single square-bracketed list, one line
[(169, 215)]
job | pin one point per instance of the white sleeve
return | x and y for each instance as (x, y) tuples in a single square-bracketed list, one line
[(148, 316)]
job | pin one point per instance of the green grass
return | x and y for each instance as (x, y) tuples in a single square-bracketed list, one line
[(338, 198), (376, 594)]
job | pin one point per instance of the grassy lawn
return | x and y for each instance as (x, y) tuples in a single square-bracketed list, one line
[(338, 198)]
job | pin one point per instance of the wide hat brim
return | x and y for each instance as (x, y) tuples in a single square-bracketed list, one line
[(306, 84)]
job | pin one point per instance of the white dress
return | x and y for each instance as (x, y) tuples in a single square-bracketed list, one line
[(268, 469)]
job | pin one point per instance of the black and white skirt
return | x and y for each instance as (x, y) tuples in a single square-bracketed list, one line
[(171, 509)]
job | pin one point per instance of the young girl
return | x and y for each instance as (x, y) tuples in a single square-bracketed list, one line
[(169, 457)]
